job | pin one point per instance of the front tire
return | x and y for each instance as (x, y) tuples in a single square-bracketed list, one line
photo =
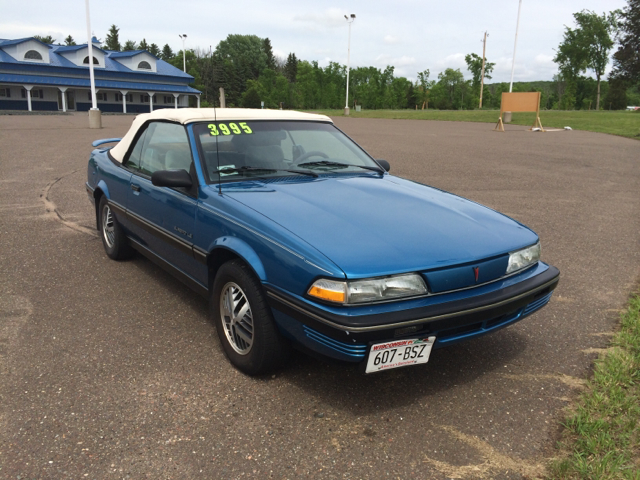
[(114, 240), (244, 322)]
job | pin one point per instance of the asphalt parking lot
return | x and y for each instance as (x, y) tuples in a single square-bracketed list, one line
[(112, 370)]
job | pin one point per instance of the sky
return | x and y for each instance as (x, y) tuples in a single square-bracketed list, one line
[(408, 34)]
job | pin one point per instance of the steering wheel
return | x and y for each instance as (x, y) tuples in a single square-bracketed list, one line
[(313, 153)]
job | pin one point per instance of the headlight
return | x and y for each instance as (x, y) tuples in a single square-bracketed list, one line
[(372, 290), (523, 258)]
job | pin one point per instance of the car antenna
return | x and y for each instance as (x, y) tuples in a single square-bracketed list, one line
[(215, 119)]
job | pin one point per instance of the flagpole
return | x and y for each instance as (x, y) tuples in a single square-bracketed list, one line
[(515, 44)]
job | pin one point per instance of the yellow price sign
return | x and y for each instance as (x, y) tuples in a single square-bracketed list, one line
[(230, 128)]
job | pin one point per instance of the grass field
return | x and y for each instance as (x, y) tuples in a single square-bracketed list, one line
[(602, 436), (623, 123)]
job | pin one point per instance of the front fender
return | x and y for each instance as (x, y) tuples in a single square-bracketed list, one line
[(243, 250), (102, 185)]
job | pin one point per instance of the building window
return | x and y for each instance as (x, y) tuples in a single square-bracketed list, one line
[(145, 99), (144, 66), (102, 96), (129, 97), (168, 99), (34, 93), (32, 55), (86, 61), (5, 92)]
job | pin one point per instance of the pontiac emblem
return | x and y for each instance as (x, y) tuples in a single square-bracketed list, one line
[(476, 272)]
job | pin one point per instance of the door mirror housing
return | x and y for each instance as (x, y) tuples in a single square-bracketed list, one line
[(171, 178), (384, 164)]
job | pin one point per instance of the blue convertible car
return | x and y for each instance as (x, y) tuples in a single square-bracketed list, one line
[(300, 238)]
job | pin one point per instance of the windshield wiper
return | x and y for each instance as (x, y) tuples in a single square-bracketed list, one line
[(248, 168), (327, 163)]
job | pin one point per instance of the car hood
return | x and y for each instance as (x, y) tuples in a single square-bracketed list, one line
[(371, 226)]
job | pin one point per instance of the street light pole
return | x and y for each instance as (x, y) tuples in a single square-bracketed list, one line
[(184, 52), (350, 20), (95, 121)]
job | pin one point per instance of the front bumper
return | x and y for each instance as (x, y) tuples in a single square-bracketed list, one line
[(348, 338)]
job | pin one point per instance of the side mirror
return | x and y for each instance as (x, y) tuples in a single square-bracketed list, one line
[(384, 164), (171, 178)]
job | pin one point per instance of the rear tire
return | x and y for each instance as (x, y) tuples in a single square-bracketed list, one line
[(244, 322), (114, 240)]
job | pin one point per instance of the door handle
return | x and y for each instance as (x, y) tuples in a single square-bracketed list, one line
[(135, 188)]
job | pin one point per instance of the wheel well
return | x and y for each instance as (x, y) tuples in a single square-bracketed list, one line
[(97, 195), (216, 259)]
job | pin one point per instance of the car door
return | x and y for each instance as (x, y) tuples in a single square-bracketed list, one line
[(163, 218)]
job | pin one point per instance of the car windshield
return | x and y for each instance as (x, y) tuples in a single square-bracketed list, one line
[(234, 150)]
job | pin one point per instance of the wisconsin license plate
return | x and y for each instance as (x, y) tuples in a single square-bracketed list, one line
[(399, 353)]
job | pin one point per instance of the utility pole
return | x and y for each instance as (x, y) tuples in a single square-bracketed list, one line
[(484, 48)]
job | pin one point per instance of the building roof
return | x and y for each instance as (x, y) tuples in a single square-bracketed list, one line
[(74, 48), (100, 83), (163, 69), (189, 115), (6, 43), (129, 53)]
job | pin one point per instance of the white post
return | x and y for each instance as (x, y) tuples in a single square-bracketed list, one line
[(515, 44), (28, 89), (64, 98), (124, 100), (94, 114), (346, 101), (175, 97), (150, 101), (184, 52), (198, 98)]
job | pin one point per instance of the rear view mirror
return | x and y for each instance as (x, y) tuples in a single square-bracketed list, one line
[(171, 178), (384, 164)]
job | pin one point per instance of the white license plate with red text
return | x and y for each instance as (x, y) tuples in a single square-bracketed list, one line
[(399, 353)]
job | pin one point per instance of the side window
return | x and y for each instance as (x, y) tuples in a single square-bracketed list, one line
[(166, 147), (133, 161)]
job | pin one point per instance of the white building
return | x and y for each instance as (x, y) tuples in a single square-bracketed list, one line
[(38, 76)]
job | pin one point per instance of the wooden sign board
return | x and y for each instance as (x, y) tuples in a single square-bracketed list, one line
[(520, 102)]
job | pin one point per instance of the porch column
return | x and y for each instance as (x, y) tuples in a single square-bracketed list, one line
[(124, 100), (64, 98), (150, 101), (28, 89), (198, 98), (175, 96)]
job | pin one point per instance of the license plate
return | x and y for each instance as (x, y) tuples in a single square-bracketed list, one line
[(399, 353)]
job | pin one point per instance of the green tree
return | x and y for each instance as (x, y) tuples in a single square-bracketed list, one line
[(112, 42), (423, 87), (69, 41), (143, 45), (45, 39), (167, 53), (587, 46), (291, 67), (129, 45), (251, 98), (626, 60), (474, 65), (154, 50), (266, 47)]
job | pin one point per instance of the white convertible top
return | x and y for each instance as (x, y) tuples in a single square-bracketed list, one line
[(190, 115)]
